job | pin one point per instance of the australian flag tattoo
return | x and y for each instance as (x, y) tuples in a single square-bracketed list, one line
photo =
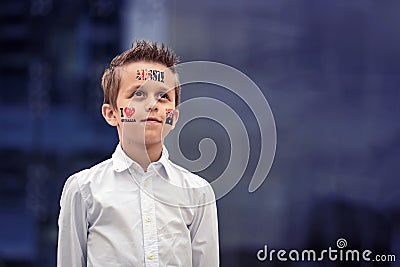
[(170, 116)]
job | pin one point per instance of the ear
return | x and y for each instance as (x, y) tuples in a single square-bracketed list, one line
[(176, 117), (109, 114)]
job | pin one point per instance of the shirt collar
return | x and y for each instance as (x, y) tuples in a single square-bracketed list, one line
[(121, 162)]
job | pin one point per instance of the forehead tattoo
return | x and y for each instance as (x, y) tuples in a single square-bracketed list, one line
[(153, 75)]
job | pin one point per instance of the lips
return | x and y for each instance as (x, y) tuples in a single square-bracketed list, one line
[(151, 119)]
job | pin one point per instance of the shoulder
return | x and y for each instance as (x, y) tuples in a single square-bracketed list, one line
[(79, 182), (201, 188), (87, 175), (189, 178)]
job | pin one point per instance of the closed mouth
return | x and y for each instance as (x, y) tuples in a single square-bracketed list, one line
[(151, 119)]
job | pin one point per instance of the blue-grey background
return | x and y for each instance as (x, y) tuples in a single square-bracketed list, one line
[(329, 69)]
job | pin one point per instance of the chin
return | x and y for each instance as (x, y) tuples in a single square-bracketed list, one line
[(152, 140)]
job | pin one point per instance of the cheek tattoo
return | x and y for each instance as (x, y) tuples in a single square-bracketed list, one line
[(128, 112), (169, 119)]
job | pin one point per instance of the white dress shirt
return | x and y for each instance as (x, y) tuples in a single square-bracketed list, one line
[(115, 214)]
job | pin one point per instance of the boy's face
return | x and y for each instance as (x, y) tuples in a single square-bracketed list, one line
[(145, 111)]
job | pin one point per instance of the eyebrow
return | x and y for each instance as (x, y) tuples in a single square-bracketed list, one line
[(133, 88), (165, 89), (160, 87)]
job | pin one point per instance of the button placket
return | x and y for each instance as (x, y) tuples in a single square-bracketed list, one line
[(150, 240)]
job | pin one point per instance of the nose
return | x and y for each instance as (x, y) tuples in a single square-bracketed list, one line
[(151, 105)]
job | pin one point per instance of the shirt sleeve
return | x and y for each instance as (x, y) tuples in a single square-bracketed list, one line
[(72, 224), (204, 233)]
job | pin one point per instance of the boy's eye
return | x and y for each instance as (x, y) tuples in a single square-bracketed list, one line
[(163, 95), (138, 93)]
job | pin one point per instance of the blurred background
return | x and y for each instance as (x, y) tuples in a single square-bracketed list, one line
[(329, 69)]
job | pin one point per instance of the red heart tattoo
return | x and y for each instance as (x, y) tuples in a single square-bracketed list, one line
[(129, 111)]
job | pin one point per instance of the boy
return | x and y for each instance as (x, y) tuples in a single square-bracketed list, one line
[(138, 208)]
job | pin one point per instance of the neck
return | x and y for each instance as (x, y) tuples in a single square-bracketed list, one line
[(143, 155)]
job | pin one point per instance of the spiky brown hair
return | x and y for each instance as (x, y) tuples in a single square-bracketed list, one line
[(141, 51)]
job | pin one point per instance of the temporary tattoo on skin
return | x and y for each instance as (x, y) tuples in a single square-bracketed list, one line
[(169, 119), (128, 112), (152, 75)]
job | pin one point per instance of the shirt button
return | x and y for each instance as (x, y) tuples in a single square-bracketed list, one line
[(145, 183), (148, 219), (151, 256)]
